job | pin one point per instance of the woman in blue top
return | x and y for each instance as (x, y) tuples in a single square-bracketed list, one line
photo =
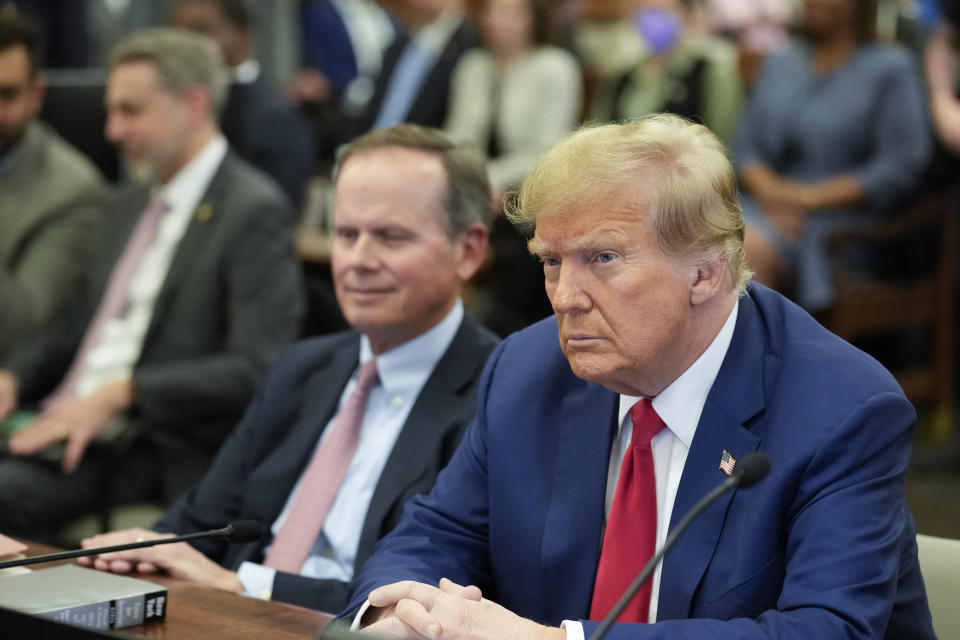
[(835, 133)]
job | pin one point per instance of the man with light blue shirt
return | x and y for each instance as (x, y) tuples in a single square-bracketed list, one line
[(348, 426), (414, 81)]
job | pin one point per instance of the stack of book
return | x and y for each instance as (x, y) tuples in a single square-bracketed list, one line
[(84, 597)]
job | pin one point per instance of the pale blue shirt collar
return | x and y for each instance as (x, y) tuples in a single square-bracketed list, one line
[(681, 403), (406, 368), (190, 183)]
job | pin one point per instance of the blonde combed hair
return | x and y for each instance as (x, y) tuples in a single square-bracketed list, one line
[(693, 207)]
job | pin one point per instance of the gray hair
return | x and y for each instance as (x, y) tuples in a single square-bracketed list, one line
[(182, 59), (467, 200)]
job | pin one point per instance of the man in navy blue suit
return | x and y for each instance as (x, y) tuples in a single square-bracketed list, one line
[(409, 228), (670, 365)]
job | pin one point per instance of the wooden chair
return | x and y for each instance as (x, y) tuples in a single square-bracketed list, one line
[(869, 306)]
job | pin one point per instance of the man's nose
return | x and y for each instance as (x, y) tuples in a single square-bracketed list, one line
[(365, 253), (568, 293), (113, 129)]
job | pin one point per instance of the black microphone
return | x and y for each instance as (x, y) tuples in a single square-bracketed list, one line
[(239, 531), (748, 471)]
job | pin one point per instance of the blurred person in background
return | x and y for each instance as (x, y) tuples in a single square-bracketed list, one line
[(680, 70), (758, 26), (516, 95), (942, 61), (191, 293), (343, 45), (513, 97), (835, 133), (414, 82), (51, 196), (256, 120)]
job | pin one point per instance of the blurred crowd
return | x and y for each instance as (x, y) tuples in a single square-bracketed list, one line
[(838, 114)]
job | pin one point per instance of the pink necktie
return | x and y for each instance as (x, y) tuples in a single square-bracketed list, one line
[(631, 535), (322, 480), (114, 301)]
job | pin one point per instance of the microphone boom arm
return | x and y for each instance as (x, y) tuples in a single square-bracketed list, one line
[(228, 531), (681, 527)]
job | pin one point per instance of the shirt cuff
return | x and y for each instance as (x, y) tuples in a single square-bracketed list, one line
[(573, 628), (355, 625), (257, 580)]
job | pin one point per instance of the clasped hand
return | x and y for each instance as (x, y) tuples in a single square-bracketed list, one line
[(449, 612)]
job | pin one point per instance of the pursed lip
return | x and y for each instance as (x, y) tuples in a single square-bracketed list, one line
[(581, 338), (367, 293)]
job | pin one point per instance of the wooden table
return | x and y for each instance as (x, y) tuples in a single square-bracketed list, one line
[(195, 612)]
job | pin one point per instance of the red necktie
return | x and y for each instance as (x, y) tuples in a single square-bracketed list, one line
[(630, 538)]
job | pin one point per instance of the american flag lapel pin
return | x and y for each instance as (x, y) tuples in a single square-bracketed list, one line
[(726, 462)]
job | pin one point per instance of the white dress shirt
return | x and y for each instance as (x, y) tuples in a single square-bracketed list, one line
[(118, 348), (403, 371), (679, 406)]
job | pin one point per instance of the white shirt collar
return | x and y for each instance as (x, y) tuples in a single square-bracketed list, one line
[(246, 72), (407, 367), (191, 182), (681, 403)]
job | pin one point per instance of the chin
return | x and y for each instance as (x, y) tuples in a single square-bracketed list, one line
[(366, 320), (586, 367)]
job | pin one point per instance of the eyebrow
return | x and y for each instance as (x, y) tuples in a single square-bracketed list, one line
[(600, 240)]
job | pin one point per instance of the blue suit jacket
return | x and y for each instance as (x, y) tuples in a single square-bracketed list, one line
[(259, 464), (823, 547)]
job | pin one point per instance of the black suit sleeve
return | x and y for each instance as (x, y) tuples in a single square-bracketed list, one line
[(325, 595), (218, 498), (283, 150)]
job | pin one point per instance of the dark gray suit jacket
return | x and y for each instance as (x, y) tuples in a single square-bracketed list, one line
[(51, 200), (260, 463), (231, 301)]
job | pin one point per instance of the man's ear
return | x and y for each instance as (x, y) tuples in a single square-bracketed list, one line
[(471, 248), (199, 103), (710, 276)]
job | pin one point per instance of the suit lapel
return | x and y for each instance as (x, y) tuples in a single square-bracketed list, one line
[(586, 420), (19, 209), (284, 465), (736, 396), (432, 415), (195, 238), (115, 235)]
